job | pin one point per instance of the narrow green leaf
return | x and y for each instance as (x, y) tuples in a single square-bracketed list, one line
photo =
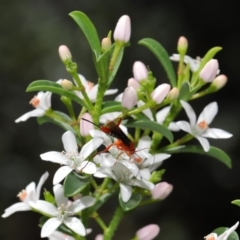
[(111, 106), (132, 203), (74, 184), (232, 236), (185, 91), (88, 29), (151, 125), (161, 54), (213, 152), (236, 202), (46, 85)]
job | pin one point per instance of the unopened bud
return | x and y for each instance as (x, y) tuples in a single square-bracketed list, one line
[(106, 44), (122, 30), (129, 98), (66, 84), (160, 92), (209, 71), (133, 83), (64, 53), (219, 82), (173, 94), (140, 71), (85, 126), (161, 190), (182, 45), (148, 232), (99, 237)]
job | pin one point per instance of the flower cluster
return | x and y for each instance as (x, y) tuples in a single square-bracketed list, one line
[(101, 156)]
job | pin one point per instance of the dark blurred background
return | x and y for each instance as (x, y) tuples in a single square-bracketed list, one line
[(31, 32)]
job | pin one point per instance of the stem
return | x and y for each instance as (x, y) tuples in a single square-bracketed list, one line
[(117, 49), (99, 220), (109, 232)]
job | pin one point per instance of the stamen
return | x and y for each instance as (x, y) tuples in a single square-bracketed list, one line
[(22, 195), (34, 101), (90, 85), (210, 237), (203, 125)]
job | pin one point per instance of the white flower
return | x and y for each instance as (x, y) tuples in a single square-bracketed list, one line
[(62, 236), (27, 196), (193, 63), (42, 102), (71, 158), (223, 236), (91, 89), (200, 128), (63, 211), (148, 232)]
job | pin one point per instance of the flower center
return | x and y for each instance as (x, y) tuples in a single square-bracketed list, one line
[(22, 195), (203, 125), (74, 158), (62, 211), (34, 101), (90, 85), (210, 237)]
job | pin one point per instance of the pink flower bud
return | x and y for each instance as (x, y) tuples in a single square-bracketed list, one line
[(99, 237), (209, 71), (173, 94), (140, 71), (129, 99), (160, 92), (148, 232), (133, 83), (161, 190), (64, 53), (122, 30), (106, 44), (85, 126), (182, 45), (220, 81), (66, 84)]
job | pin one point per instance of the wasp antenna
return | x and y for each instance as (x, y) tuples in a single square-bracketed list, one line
[(90, 122)]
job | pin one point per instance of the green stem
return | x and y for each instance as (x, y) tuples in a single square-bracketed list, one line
[(99, 220), (68, 103), (109, 232), (117, 49)]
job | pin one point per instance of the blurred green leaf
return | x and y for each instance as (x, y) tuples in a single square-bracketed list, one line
[(111, 106), (46, 85), (88, 29), (213, 152), (236, 202), (48, 197), (74, 184), (185, 91), (159, 51), (132, 203), (232, 236), (151, 125)]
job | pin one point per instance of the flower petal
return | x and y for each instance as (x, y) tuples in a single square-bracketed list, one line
[(185, 126), (69, 142), (90, 146), (59, 195), (216, 133), (108, 117), (190, 112), (82, 203), (45, 101), (76, 225), (162, 114), (16, 207), (87, 167), (50, 226), (148, 232), (45, 207), (208, 113), (204, 142), (111, 91), (56, 157), (40, 183), (34, 113), (144, 143), (147, 111), (61, 173), (225, 235), (126, 192)]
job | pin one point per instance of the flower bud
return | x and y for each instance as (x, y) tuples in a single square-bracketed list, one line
[(64, 53), (133, 83), (219, 82), (122, 30), (209, 71), (129, 99), (148, 232), (140, 71), (85, 126), (99, 237), (106, 44), (173, 94), (182, 45), (160, 92), (66, 84), (161, 190)]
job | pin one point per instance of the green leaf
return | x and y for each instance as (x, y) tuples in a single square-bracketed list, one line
[(161, 54), (236, 202), (111, 106), (185, 91), (74, 184), (151, 125), (113, 72), (88, 29), (213, 152), (46, 85), (232, 236), (48, 197), (132, 203)]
